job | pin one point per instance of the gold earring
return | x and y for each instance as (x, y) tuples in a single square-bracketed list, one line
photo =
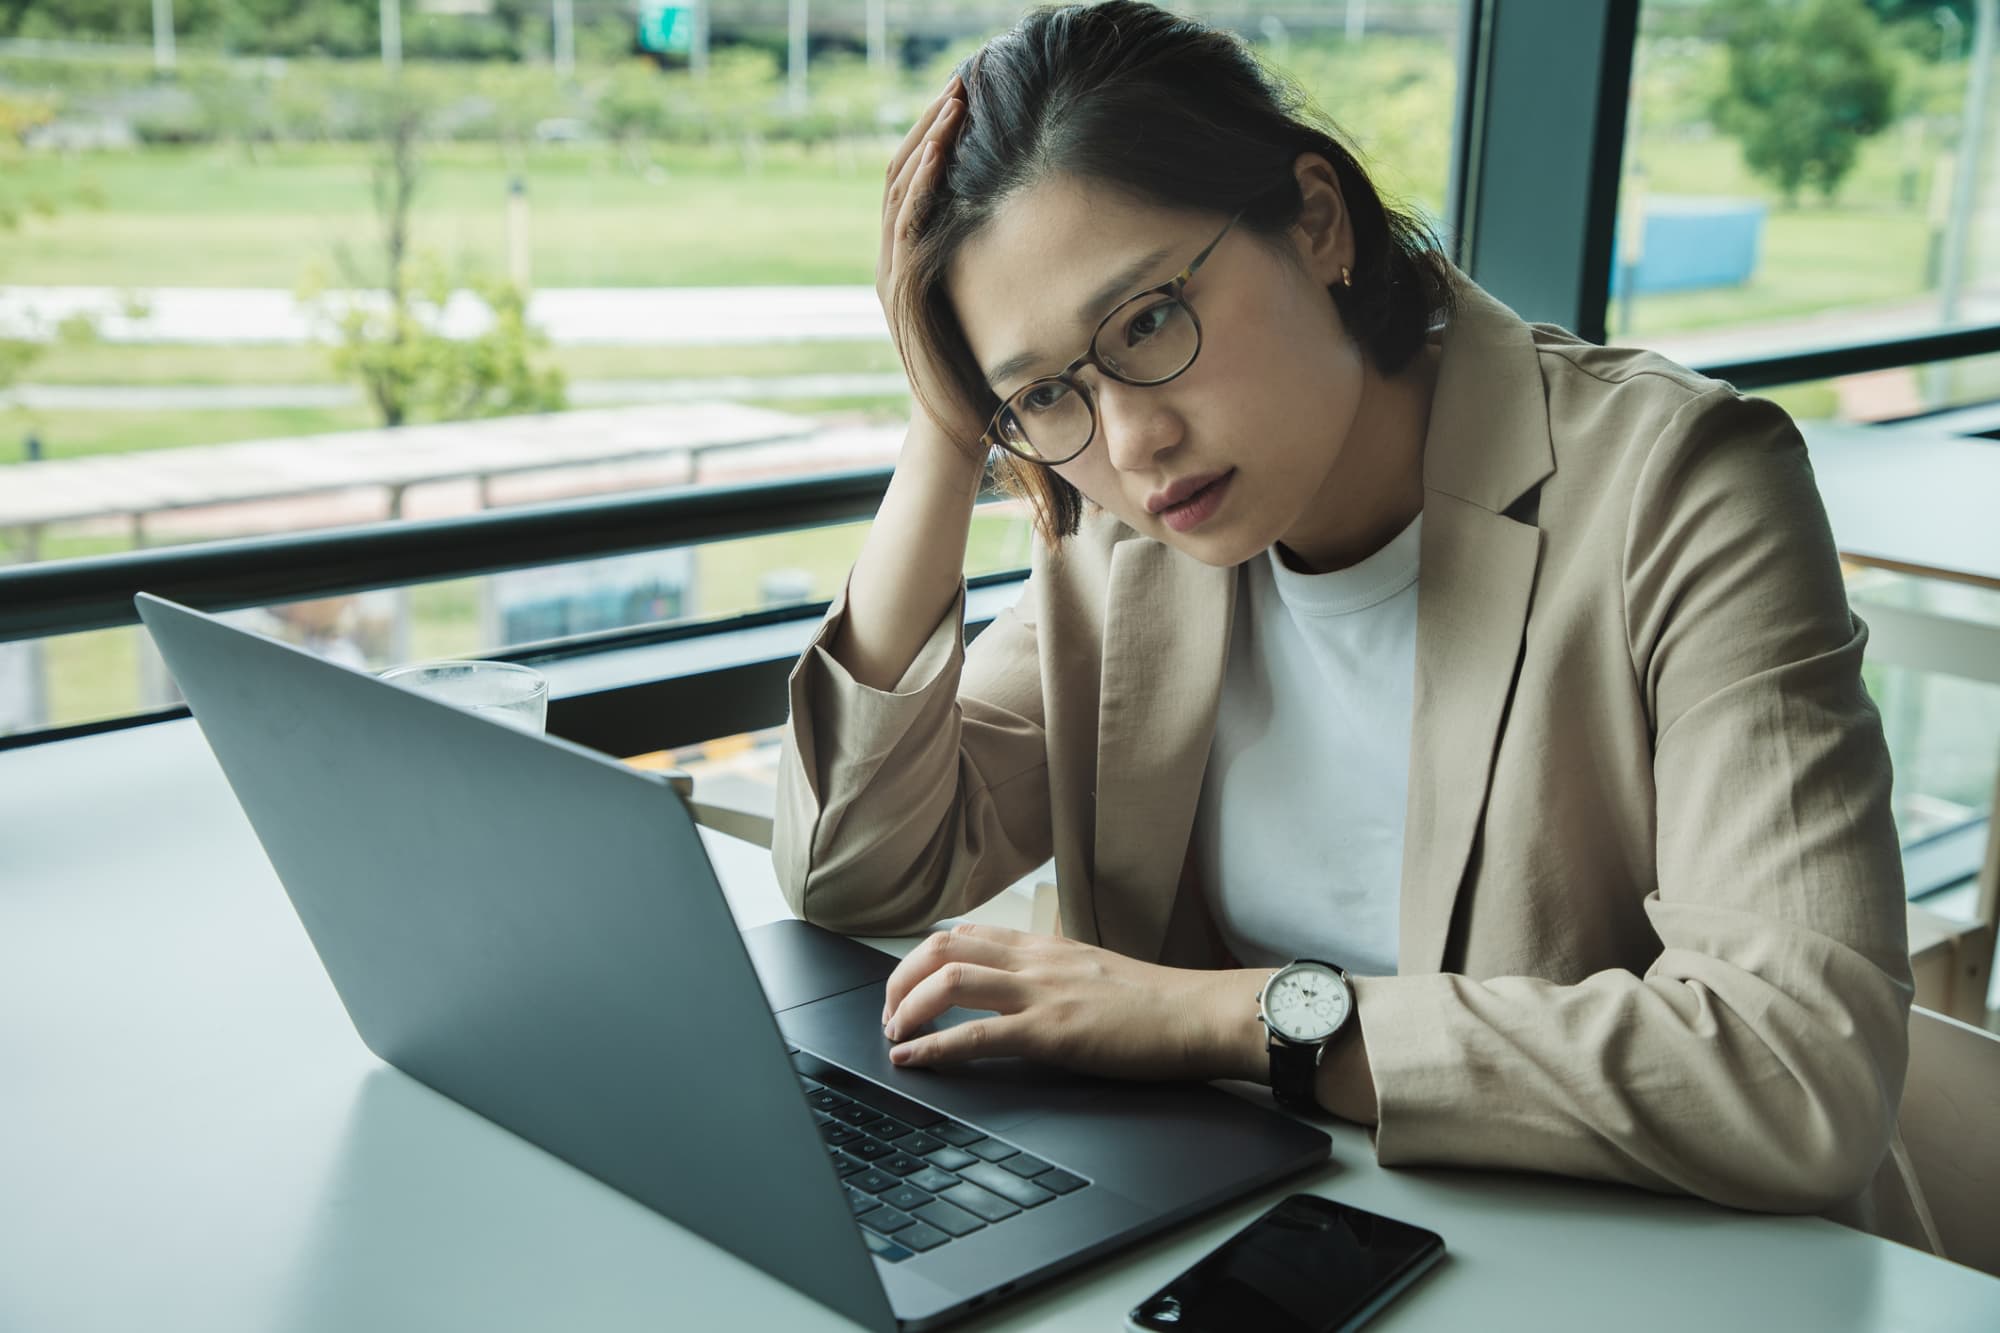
[(1346, 278)]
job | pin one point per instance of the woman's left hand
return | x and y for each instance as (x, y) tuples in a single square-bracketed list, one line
[(1073, 1005)]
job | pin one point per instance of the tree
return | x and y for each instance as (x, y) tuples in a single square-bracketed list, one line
[(397, 348), (18, 203), (1807, 81)]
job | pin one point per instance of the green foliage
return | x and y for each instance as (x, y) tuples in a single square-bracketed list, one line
[(1390, 98), (1807, 81), (18, 203), (396, 349), (635, 102)]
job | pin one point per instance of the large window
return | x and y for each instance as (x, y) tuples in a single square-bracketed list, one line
[(261, 279), (1804, 175)]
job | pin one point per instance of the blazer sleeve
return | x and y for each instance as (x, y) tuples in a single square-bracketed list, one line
[(1760, 1059), (898, 807)]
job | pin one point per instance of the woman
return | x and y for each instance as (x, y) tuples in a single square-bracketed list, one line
[(1510, 675)]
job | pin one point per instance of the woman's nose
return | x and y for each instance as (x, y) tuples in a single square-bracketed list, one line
[(1139, 424)]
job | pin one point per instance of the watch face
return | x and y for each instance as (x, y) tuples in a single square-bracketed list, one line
[(1307, 1002)]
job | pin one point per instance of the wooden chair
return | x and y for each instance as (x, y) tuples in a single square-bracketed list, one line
[(1951, 1125)]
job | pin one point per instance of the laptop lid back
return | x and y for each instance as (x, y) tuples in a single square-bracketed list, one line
[(535, 931)]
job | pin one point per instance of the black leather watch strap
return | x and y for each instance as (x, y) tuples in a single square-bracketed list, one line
[(1294, 1073)]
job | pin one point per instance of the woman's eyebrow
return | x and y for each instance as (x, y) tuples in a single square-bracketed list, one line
[(1122, 283)]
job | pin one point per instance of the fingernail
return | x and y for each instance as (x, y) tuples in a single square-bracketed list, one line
[(889, 1031), (900, 1055)]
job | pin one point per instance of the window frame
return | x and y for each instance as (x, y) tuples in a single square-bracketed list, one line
[(1543, 89)]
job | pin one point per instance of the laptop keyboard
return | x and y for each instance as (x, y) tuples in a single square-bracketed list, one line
[(914, 1178)]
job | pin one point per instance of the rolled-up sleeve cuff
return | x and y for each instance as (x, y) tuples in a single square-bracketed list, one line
[(838, 720), (1409, 1058)]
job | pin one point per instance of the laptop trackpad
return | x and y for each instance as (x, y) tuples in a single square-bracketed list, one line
[(995, 1093), (799, 963)]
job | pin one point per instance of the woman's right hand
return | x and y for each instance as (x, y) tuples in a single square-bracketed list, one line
[(913, 172)]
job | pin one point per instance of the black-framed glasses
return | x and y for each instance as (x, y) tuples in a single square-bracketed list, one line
[(1155, 337)]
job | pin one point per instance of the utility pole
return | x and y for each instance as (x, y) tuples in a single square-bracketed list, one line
[(163, 36), (563, 23), (1965, 178), (392, 35), (878, 35), (795, 65)]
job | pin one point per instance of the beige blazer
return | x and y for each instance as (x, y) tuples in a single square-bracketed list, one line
[(1652, 923)]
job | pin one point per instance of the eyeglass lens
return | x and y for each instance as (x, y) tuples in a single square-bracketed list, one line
[(1149, 340)]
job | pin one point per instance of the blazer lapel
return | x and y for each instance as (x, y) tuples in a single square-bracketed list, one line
[(1487, 446), (1166, 642)]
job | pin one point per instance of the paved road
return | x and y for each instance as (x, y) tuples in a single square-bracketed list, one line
[(712, 316), (574, 317), (582, 393)]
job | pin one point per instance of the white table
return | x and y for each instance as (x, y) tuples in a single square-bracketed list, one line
[(193, 1138)]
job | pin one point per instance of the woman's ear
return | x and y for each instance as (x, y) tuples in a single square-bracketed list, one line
[(1322, 238)]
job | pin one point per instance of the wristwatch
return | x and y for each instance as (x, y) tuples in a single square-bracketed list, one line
[(1303, 1007)]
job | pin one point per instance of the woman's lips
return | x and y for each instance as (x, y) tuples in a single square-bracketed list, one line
[(1198, 508)]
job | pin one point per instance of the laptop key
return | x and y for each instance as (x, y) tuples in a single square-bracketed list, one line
[(854, 1113), (957, 1135), (921, 1236), (1059, 1180), (932, 1179), (992, 1150), (826, 1100), (1021, 1193), (884, 1248), (835, 1133), (1026, 1165), (873, 1094), (952, 1221), (900, 1164), (951, 1159), (874, 1181), (888, 1127), (847, 1166), (983, 1204), (869, 1149), (919, 1143), (884, 1219), (905, 1197), (859, 1202)]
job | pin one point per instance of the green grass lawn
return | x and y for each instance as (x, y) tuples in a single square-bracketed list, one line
[(68, 434), (81, 434), (1869, 247), (74, 434), (209, 216), (178, 364)]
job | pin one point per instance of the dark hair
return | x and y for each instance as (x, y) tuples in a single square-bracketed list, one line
[(1171, 112)]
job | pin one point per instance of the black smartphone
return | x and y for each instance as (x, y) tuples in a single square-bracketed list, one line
[(1310, 1265)]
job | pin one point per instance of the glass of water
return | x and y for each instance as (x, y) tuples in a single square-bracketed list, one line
[(511, 694)]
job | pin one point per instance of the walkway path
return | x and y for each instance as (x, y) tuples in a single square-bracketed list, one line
[(573, 317), (582, 393), (718, 316)]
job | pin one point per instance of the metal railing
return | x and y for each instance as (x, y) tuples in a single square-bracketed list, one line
[(68, 596)]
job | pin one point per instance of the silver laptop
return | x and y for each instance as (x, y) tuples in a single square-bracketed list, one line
[(534, 930)]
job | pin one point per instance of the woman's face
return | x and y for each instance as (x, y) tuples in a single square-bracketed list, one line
[(1255, 427)]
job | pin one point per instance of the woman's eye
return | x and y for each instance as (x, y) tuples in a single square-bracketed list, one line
[(1146, 324), (1043, 397)]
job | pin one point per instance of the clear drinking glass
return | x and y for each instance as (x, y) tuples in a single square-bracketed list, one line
[(507, 692)]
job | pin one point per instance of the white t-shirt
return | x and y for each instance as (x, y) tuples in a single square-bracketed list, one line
[(1299, 832)]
